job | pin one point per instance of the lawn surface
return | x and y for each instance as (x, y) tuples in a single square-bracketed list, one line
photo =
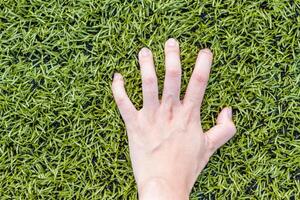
[(61, 135)]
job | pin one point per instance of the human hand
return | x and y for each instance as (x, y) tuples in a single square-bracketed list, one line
[(168, 148)]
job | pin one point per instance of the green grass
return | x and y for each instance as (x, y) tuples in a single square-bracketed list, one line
[(61, 135)]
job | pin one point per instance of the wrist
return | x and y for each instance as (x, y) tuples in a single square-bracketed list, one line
[(160, 189)]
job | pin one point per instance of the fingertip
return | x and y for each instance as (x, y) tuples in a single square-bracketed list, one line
[(171, 42), (117, 81), (229, 112), (228, 120), (117, 76), (207, 54), (225, 115), (206, 50), (144, 52)]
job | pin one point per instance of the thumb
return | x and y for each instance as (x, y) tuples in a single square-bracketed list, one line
[(223, 131)]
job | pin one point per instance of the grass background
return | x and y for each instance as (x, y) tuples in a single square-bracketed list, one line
[(61, 135)]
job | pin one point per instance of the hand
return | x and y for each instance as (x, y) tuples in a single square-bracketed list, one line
[(168, 147)]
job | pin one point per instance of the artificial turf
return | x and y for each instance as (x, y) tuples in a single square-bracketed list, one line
[(61, 135)]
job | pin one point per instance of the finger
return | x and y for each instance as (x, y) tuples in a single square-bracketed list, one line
[(124, 104), (173, 70), (149, 79), (167, 109), (223, 131), (198, 81)]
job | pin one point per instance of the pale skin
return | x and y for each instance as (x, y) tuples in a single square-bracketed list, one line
[(168, 147)]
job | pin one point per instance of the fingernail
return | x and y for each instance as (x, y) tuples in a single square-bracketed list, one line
[(171, 42), (229, 112), (145, 52), (206, 50), (117, 75)]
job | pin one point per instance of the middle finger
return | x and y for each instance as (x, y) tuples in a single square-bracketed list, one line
[(173, 71)]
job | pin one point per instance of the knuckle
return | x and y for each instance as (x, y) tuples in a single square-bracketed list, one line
[(192, 102), (120, 100), (182, 126), (174, 71), (149, 80), (190, 113), (201, 79)]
